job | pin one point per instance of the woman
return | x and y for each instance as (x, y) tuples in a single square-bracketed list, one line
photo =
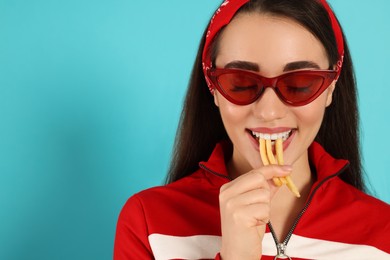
[(275, 69)]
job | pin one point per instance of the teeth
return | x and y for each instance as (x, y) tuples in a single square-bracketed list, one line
[(273, 137)]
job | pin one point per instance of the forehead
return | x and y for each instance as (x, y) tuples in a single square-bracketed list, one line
[(269, 41)]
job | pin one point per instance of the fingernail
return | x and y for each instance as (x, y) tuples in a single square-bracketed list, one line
[(287, 168)]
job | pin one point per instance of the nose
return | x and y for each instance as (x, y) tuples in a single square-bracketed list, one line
[(269, 107)]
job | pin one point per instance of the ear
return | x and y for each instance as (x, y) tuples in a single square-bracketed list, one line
[(216, 98), (329, 95)]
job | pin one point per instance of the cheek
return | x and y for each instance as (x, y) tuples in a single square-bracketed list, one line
[(312, 114), (232, 115)]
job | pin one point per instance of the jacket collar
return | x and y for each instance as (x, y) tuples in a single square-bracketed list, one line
[(325, 165)]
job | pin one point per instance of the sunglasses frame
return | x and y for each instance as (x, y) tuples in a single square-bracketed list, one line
[(328, 77)]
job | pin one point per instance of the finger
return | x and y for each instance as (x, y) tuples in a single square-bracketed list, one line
[(249, 181), (251, 197), (252, 215), (255, 179), (274, 171)]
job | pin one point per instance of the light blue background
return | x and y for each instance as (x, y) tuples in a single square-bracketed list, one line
[(90, 95)]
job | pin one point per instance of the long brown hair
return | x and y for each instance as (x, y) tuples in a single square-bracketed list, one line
[(201, 128)]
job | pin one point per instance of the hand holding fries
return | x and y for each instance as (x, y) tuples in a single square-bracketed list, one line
[(268, 157)]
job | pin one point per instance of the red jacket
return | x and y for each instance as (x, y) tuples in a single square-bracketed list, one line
[(181, 220)]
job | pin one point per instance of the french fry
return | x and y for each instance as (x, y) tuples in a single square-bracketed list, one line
[(270, 154), (268, 157), (279, 155), (279, 151), (263, 153), (272, 160), (264, 158), (288, 181), (290, 184)]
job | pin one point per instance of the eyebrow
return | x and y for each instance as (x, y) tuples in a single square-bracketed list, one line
[(296, 65), (245, 65)]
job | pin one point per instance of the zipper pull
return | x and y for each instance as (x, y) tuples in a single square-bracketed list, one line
[(281, 252)]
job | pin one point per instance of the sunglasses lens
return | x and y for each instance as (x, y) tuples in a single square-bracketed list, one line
[(240, 87), (297, 88)]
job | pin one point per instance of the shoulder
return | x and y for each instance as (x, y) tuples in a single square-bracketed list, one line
[(193, 191), (343, 203), (193, 184), (188, 204), (366, 217), (361, 200), (341, 197), (341, 213)]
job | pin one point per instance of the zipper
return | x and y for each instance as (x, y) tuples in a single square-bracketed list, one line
[(281, 247), (214, 172)]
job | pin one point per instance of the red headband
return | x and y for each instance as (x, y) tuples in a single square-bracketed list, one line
[(228, 9)]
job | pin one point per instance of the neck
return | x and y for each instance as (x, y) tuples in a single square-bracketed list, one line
[(237, 165)]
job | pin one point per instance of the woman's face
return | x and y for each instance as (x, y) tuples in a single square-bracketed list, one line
[(271, 46)]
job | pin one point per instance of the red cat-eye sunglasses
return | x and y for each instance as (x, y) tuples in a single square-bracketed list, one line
[(296, 88)]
